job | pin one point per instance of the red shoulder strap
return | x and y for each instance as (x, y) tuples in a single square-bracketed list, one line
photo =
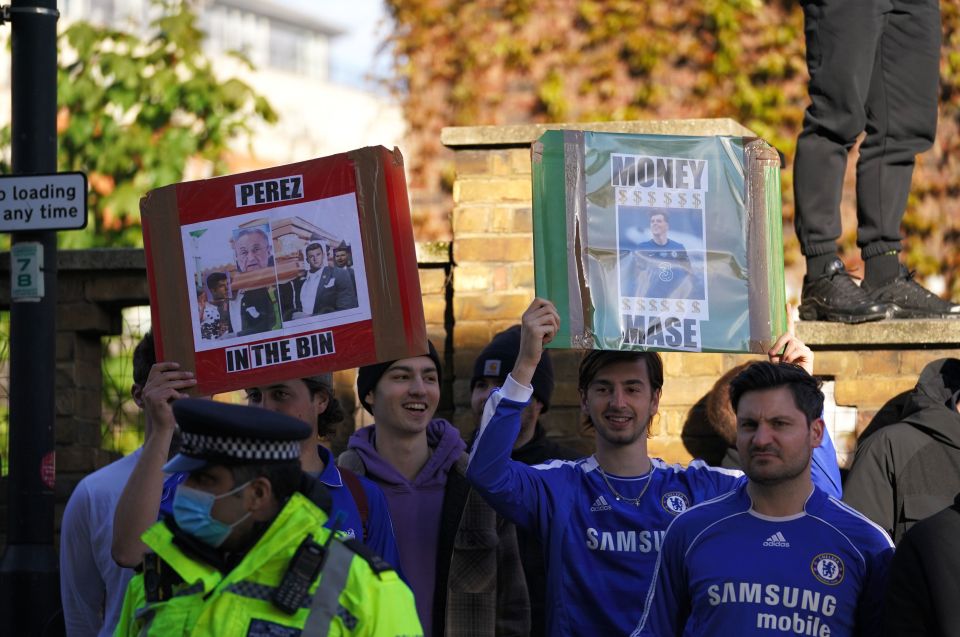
[(359, 497)]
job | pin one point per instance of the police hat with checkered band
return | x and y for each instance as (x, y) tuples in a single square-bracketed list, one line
[(220, 433)]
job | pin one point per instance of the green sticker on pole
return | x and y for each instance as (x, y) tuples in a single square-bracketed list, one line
[(26, 271)]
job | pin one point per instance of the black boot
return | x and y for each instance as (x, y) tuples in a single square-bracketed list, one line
[(909, 299), (833, 296)]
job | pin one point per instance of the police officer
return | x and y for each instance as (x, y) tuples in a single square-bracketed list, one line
[(245, 552)]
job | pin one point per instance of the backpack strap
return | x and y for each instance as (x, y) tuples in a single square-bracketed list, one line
[(352, 482)]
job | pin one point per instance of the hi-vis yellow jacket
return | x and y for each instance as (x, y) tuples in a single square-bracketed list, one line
[(354, 594)]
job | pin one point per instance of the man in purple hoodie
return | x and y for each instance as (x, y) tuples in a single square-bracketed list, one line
[(459, 556)]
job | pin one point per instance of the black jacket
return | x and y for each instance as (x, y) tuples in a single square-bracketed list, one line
[(923, 598), (909, 470), (336, 291)]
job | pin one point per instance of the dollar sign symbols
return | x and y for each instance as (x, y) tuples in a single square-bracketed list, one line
[(651, 198), (621, 196), (636, 197), (667, 199), (683, 200), (696, 200)]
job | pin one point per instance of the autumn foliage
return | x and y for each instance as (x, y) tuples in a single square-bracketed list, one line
[(520, 61)]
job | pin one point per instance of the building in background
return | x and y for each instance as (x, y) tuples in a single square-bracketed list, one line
[(290, 52)]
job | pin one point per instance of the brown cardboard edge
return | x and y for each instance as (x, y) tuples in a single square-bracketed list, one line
[(377, 239), (170, 305), (758, 254)]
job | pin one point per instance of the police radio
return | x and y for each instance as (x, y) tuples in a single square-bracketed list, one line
[(302, 571)]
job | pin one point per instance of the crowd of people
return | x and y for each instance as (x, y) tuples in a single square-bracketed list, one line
[(236, 519)]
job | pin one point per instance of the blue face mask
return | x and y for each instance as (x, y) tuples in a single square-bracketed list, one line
[(191, 511)]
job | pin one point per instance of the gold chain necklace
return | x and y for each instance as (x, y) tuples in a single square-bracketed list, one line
[(634, 501)]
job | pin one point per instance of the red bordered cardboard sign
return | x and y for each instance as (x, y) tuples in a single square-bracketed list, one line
[(285, 272)]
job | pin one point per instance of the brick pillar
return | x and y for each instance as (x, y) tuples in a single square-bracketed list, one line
[(493, 253)]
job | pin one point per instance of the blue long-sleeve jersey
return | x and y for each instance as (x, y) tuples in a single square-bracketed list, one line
[(600, 552), (724, 569)]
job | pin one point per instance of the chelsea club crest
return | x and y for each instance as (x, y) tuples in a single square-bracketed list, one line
[(828, 568), (675, 502)]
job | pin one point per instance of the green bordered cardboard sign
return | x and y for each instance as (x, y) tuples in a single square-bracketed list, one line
[(652, 242)]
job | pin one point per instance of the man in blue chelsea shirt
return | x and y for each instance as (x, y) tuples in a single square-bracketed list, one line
[(776, 555)]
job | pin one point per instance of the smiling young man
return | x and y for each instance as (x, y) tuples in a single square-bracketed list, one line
[(246, 553), (600, 519), (458, 555), (777, 554)]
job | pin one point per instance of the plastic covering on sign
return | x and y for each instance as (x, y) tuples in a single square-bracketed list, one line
[(285, 272), (652, 242)]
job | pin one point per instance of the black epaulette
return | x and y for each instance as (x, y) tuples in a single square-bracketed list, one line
[(159, 579), (377, 564)]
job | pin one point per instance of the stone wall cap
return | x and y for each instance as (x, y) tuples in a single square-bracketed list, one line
[(524, 134), (892, 334)]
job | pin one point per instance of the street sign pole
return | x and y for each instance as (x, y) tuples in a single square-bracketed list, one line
[(29, 583)]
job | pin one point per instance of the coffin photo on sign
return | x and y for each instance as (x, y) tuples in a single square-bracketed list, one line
[(270, 271), (284, 272)]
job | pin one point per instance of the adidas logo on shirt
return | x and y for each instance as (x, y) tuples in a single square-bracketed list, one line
[(777, 539), (600, 504)]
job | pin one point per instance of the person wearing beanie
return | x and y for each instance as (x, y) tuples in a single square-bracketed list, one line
[(363, 510), (490, 370), (532, 446), (459, 557)]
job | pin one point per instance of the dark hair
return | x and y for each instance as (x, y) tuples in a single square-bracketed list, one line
[(596, 360), (807, 396), (144, 357), (313, 246), (659, 212), (245, 231), (332, 416), (284, 476), (214, 278)]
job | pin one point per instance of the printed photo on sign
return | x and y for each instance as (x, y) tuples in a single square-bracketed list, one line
[(276, 272), (661, 255), (661, 276)]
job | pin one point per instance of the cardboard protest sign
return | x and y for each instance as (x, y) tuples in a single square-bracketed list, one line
[(285, 272), (659, 242)]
